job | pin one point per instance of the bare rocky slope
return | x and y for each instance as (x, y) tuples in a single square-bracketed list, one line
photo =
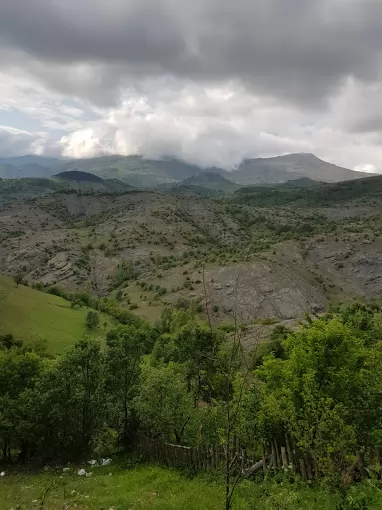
[(268, 262), (290, 167)]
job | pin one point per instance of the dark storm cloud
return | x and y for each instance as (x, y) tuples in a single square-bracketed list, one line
[(300, 50)]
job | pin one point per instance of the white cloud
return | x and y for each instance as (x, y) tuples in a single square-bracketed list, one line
[(14, 142), (210, 82), (218, 126)]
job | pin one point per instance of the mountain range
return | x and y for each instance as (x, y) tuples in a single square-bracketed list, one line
[(142, 172)]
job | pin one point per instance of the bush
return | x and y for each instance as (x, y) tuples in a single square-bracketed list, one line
[(105, 442), (18, 279), (125, 272), (57, 291), (92, 319), (8, 341)]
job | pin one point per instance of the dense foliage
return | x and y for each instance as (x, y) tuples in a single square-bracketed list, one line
[(319, 386)]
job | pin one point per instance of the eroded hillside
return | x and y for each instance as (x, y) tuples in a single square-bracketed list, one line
[(251, 258)]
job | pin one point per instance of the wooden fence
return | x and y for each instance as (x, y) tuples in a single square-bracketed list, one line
[(213, 457), (198, 458), (202, 458)]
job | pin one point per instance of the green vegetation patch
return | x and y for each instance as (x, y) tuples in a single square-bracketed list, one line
[(155, 487), (31, 315)]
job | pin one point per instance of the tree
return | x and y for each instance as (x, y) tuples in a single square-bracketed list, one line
[(310, 394), (197, 346), (92, 319), (8, 341), (164, 405), (18, 279), (70, 402), (19, 371), (125, 346)]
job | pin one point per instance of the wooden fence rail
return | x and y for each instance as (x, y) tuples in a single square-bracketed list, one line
[(213, 457), (202, 458), (198, 458)]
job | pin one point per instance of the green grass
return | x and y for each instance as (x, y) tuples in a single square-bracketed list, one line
[(140, 488), (151, 487), (31, 315)]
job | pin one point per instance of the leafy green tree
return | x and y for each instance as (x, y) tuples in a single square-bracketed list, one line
[(275, 345), (8, 341), (173, 319), (70, 401), (197, 347), (365, 407), (76, 302), (164, 405), (125, 347), (92, 319), (310, 394), (18, 373)]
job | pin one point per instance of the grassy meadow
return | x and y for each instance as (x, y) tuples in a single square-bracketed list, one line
[(31, 315), (152, 487)]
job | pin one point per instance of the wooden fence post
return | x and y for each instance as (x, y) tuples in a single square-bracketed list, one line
[(243, 459), (361, 463), (273, 461), (217, 454), (308, 466), (278, 462), (303, 470), (263, 456), (289, 450), (284, 458)]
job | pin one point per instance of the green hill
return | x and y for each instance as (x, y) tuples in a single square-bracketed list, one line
[(211, 181), (31, 315), (322, 194), (76, 176), (28, 187)]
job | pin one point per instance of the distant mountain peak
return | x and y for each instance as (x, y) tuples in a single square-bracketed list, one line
[(290, 167), (139, 171)]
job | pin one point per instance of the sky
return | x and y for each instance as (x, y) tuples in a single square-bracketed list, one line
[(210, 81)]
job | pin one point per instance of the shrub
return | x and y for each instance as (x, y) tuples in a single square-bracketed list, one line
[(92, 319)]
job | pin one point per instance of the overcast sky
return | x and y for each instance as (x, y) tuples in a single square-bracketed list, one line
[(211, 81)]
